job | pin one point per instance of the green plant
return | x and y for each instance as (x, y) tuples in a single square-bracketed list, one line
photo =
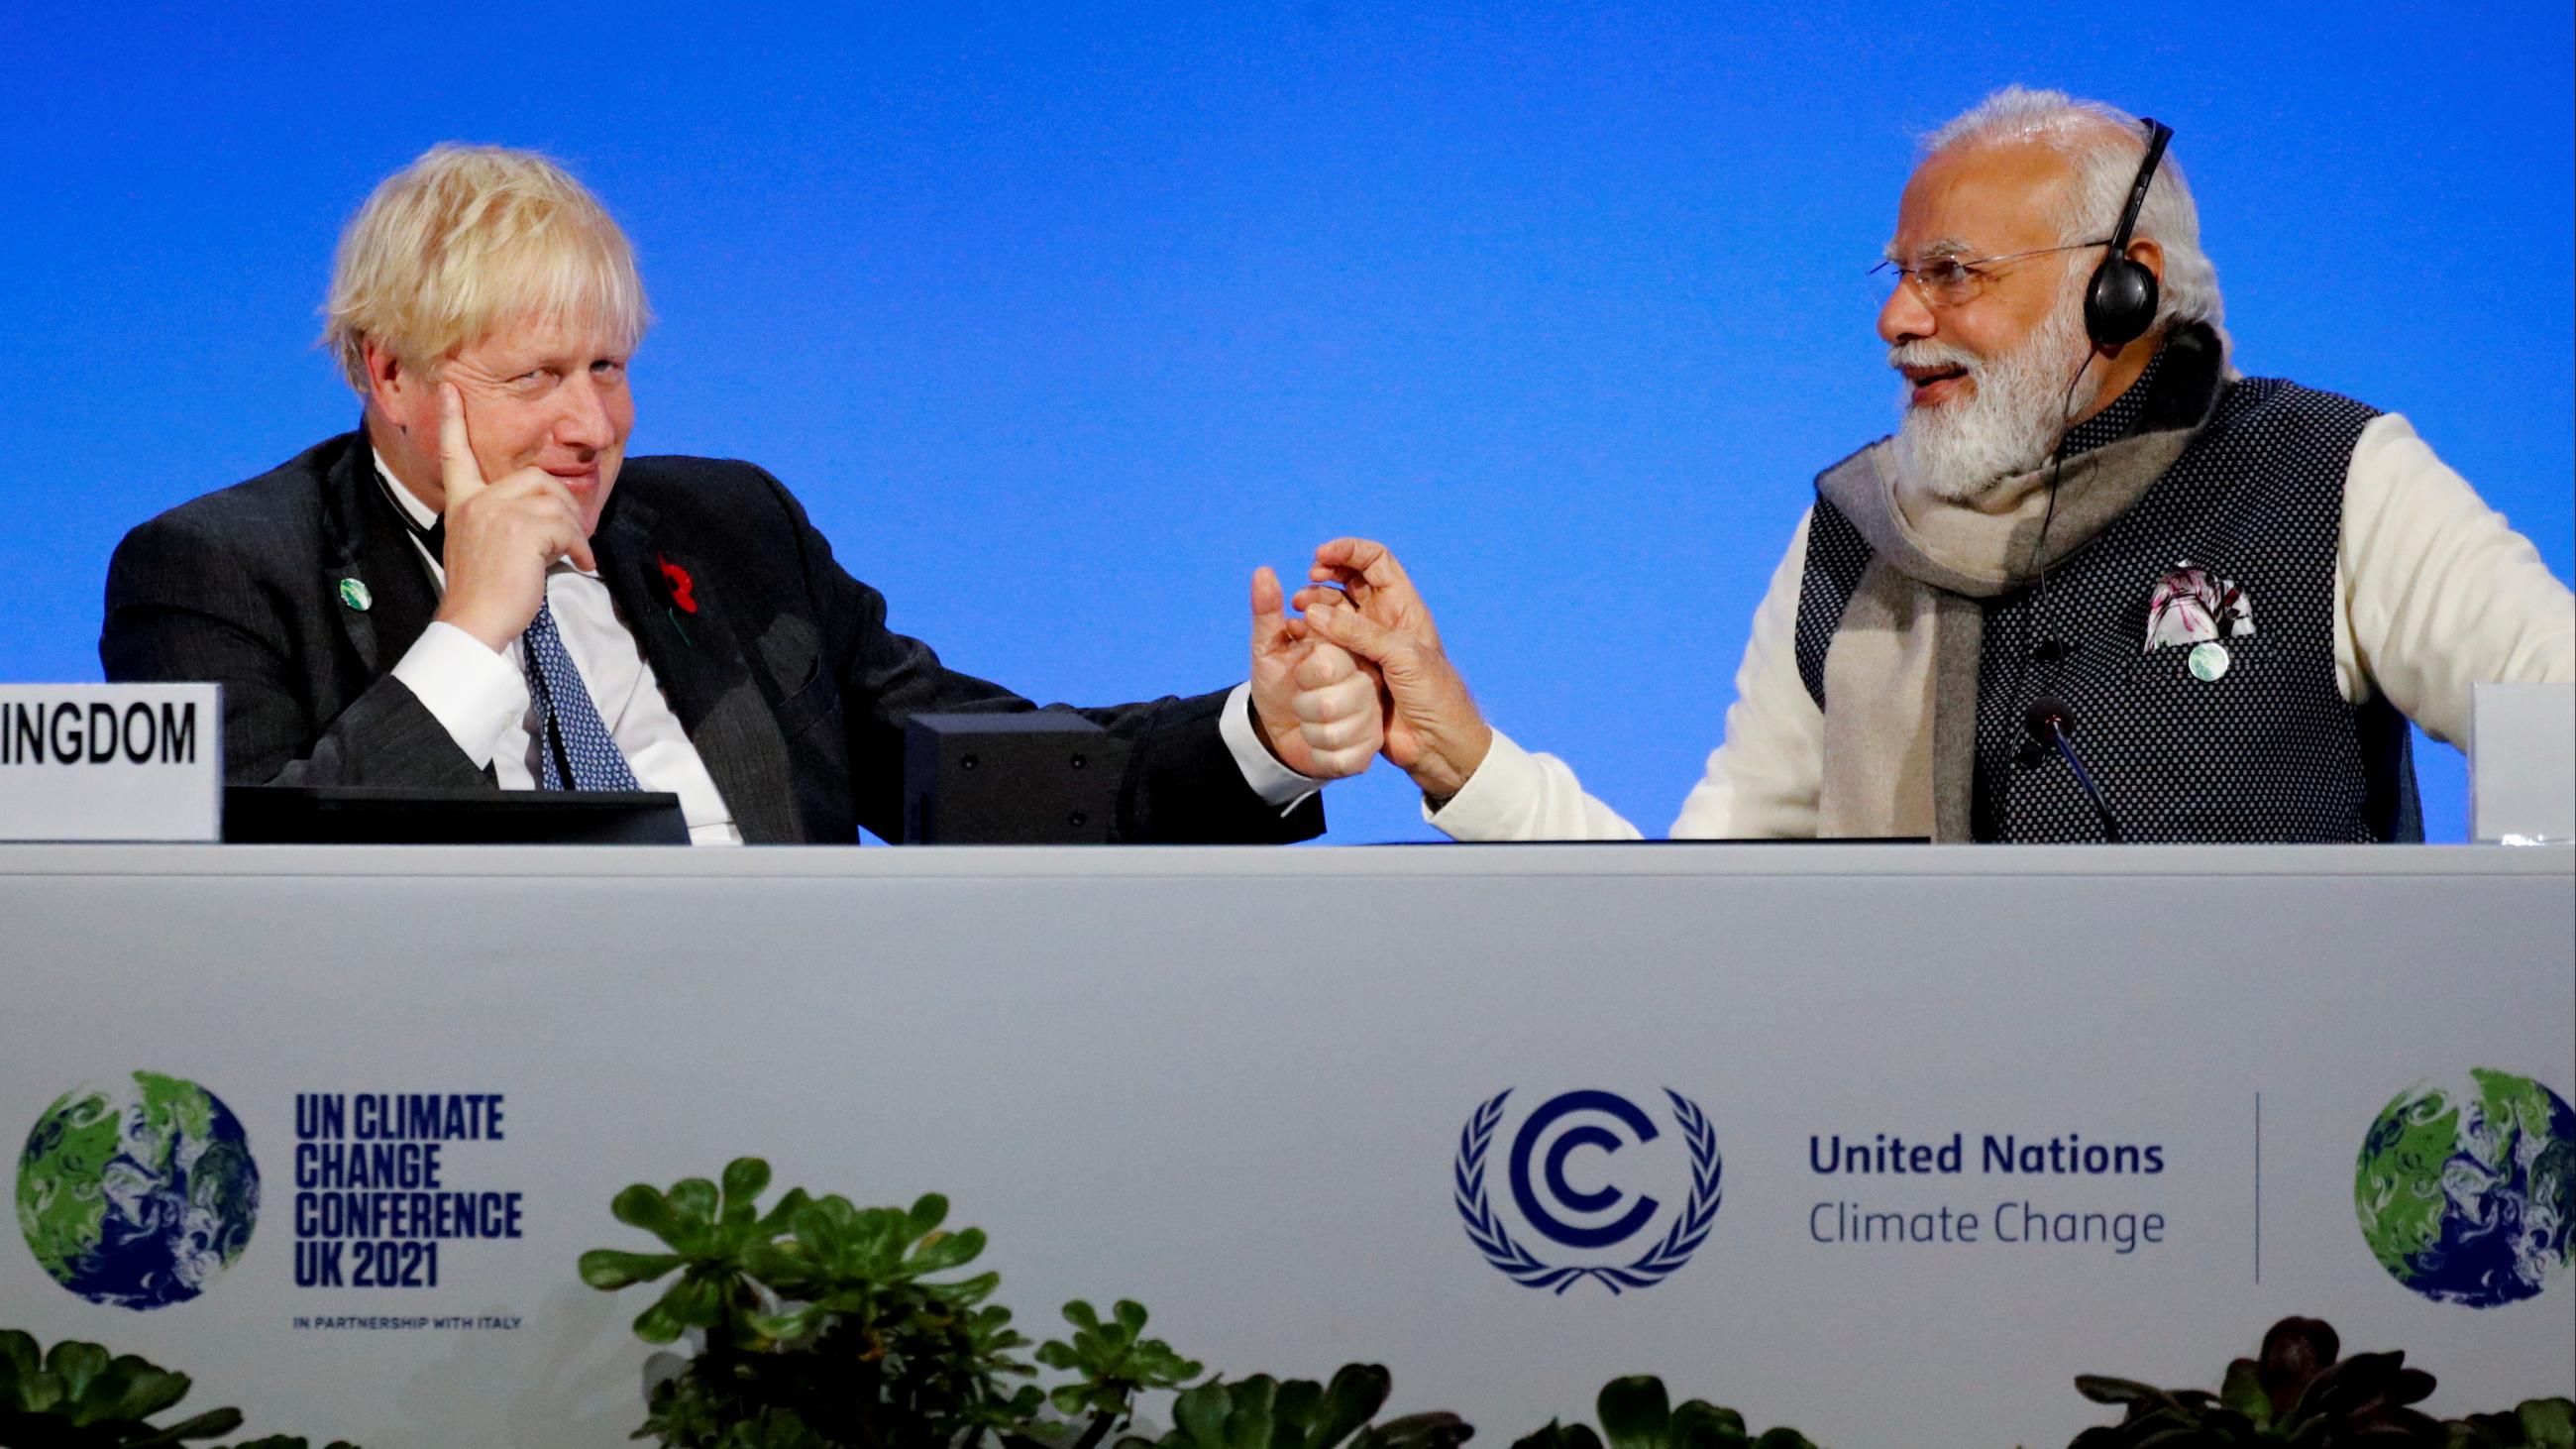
[(1261, 1412), (1636, 1413), (714, 1236), (824, 1325), (1111, 1363), (2298, 1391), (78, 1396), (2533, 1424)]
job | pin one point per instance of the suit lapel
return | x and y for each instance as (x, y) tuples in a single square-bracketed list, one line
[(378, 589), (697, 656)]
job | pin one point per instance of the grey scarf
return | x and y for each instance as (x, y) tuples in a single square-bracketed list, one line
[(1901, 673)]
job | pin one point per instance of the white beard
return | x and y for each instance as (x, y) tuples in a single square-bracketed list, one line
[(1961, 450)]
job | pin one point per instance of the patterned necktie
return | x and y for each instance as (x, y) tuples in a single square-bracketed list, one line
[(576, 740)]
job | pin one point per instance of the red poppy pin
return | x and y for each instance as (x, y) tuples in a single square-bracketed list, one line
[(679, 582), (678, 596)]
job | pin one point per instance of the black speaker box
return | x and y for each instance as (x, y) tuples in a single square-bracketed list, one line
[(1028, 778)]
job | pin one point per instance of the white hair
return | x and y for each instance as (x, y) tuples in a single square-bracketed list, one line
[(2104, 144)]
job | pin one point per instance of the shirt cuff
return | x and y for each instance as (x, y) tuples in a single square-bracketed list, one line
[(1278, 786), (472, 692), (1491, 804)]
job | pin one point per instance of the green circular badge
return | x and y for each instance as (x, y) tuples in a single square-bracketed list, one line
[(2208, 660), (353, 592)]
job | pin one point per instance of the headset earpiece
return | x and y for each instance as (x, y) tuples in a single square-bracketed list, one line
[(2120, 301)]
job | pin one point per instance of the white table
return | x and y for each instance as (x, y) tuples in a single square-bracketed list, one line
[(1233, 1083)]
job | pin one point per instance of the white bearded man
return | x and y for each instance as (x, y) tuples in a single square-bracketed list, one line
[(2243, 588)]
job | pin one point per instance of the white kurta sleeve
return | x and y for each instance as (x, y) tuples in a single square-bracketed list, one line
[(1517, 795), (2438, 591)]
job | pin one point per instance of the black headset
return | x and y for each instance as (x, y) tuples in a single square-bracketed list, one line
[(2120, 301)]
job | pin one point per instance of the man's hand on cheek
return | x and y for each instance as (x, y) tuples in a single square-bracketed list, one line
[(501, 536)]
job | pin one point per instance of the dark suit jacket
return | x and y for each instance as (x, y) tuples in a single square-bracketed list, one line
[(785, 677)]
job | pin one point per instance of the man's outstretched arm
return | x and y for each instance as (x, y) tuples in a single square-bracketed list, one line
[(1480, 785), (1477, 785), (1194, 770)]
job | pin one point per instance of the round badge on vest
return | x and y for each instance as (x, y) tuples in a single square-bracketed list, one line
[(2209, 660)]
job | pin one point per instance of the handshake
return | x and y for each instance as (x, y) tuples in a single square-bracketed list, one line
[(1359, 672)]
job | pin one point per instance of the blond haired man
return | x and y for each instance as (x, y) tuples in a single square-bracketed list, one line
[(478, 589)]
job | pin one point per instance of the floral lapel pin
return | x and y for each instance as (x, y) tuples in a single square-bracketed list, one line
[(679, 595), (2195, 608)]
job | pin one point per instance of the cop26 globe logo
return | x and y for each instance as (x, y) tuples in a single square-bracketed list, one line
[(139, 1193), (1609, 1230), (2465, 1188)]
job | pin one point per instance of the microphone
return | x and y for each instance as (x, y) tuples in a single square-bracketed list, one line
[(2051, 722)]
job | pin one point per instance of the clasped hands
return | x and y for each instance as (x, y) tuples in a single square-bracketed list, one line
[(1364, 672)]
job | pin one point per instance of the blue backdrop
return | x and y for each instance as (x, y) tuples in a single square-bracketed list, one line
[(1061, 321)]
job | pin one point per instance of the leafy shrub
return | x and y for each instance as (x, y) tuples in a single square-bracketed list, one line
[(78, 1396), (1265, 1413), (1636, 1413), (823, 1325), (2299, 1391)]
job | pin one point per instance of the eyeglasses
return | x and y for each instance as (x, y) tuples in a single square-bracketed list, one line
[(1946, 281)]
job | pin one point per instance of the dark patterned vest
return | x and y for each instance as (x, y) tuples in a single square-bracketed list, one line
[(2269, 750)]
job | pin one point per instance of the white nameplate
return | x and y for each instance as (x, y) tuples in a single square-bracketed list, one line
[(111, 762), (2522, 762)]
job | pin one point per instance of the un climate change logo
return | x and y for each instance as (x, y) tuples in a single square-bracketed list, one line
[(137, 1195), (2465, 1188), (1608, 1217)]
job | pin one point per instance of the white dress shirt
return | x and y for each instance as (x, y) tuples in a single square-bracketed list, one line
[(2434, 592), (482, 700)]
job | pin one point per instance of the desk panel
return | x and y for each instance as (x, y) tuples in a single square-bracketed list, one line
[(1924, 1105)]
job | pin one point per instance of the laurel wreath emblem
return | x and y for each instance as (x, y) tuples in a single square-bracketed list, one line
[(1486, 1230)]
